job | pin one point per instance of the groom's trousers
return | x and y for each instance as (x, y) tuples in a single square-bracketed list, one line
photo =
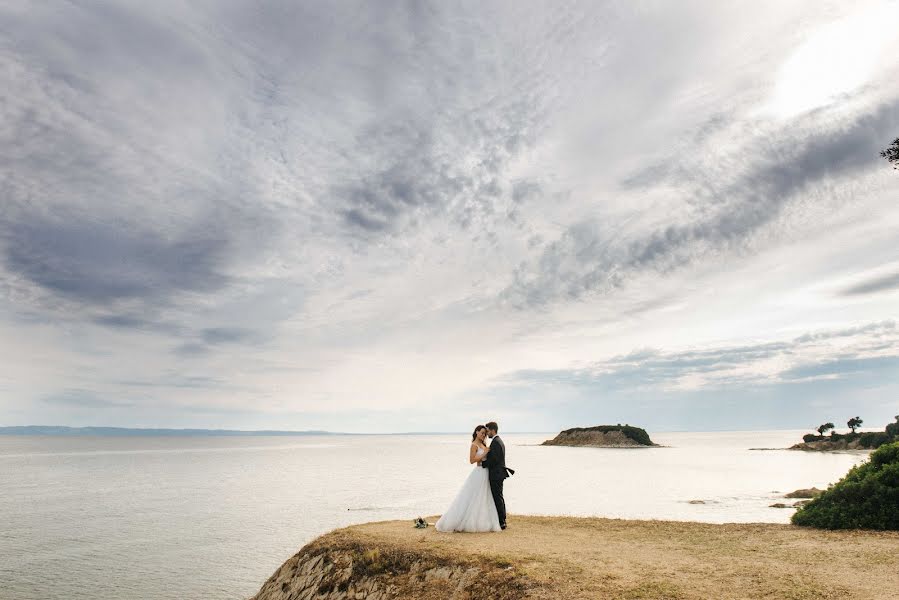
[(496, 488)]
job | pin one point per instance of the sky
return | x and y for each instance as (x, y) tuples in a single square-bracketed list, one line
[(420, 216)]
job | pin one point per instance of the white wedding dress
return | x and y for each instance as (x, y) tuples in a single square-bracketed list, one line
[(473, 508)]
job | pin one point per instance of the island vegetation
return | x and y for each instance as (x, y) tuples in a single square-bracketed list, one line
[(853, 440), (603, 436), (866, 498)]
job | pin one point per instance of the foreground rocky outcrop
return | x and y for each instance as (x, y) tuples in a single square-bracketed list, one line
[(341, 566), (603, 436), (573, 558)]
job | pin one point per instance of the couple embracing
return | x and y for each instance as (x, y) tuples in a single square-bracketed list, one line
[(479, 505)]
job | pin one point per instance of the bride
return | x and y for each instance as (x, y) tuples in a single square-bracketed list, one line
[(473, 508)]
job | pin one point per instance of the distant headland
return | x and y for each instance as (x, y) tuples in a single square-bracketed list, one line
[(603, 436), (854, 440), (128, 431)]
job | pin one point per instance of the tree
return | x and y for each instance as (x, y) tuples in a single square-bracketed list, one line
[(892, 153), (892, 429), (854, 423), (824, 428)]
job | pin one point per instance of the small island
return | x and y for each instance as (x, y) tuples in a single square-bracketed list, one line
[(603, 436)]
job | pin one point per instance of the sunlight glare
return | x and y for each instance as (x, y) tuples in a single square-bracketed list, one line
[(835, 60)]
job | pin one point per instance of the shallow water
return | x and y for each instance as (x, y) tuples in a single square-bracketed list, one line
[(213, 517)]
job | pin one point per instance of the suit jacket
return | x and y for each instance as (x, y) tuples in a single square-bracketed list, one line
[(496, 460)]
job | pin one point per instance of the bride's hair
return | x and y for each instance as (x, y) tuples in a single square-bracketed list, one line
[(476, 430)]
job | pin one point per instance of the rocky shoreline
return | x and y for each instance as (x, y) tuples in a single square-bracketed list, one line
[(828, 446)]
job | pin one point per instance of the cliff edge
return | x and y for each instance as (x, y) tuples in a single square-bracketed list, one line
[(573, 558)]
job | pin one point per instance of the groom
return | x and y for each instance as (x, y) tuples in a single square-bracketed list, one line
[(496, 464)]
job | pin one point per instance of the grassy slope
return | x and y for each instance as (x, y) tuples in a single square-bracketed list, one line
[(589, 558)]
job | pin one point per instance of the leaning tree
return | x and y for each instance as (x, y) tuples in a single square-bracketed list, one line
[(824, 428), (854, 423)]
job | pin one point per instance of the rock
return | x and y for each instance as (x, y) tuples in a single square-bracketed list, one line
[(696, 502), (780, 505), (355, 572), (805, 493)]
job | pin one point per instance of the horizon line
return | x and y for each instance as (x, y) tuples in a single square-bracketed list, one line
[(198, 431)]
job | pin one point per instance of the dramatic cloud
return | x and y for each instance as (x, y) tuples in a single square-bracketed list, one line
[(723, 207), (299, 215), (98, 263)]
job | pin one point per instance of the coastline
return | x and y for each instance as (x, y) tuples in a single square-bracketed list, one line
[(280, 495), (573, 557)]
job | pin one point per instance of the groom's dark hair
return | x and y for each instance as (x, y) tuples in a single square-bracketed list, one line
[(492, 425)]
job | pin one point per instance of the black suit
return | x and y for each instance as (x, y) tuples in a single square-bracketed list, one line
[(495, 463)]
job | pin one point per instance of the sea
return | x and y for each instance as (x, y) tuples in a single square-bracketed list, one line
[(213, 517)]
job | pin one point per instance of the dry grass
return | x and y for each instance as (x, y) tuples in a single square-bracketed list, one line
[(607, 558)]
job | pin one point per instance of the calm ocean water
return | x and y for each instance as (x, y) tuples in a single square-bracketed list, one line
[(213, 517)]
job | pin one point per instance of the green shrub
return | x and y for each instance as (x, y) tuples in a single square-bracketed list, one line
[(866, 498), (873, 439), (808, 438)]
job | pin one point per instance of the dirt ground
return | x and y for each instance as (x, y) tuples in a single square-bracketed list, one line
[(609, 558)]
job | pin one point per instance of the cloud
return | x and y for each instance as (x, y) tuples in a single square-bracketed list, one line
[(100, 263), (875, 285), (448, 157), (873, 331), (226, 335), (298, 201), (591, 258), (76, 398), (128, 322), (771, 363), (192, 349), (843, 368), (176, 380)]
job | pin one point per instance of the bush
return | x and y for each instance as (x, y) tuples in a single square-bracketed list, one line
[(811, 437), (866, 498), (873, 439)]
